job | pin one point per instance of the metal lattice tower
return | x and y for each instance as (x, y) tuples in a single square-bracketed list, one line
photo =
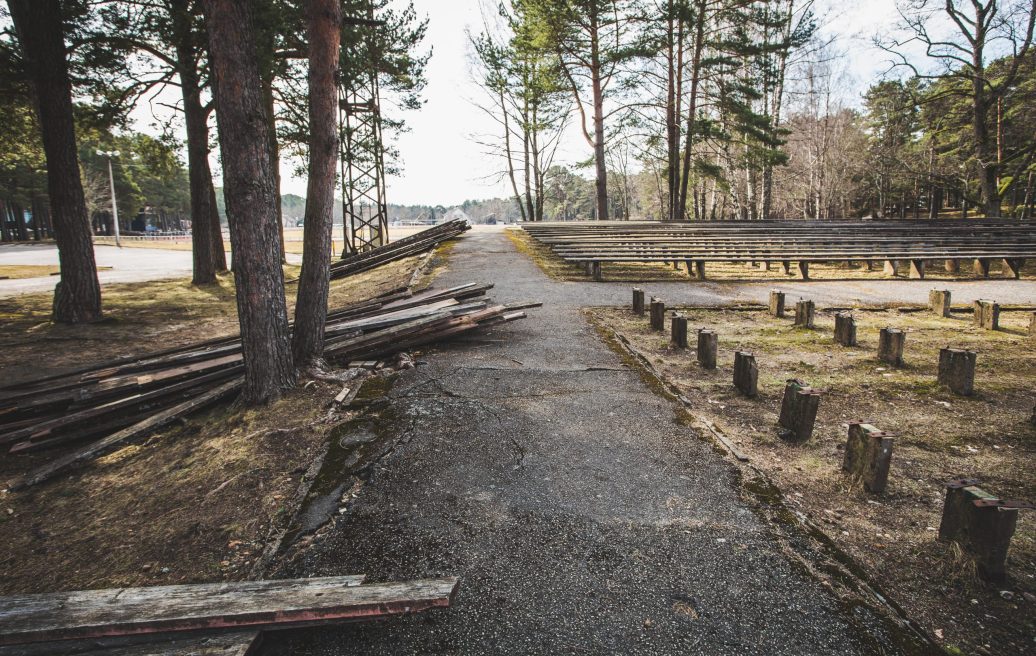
[(364, 208)]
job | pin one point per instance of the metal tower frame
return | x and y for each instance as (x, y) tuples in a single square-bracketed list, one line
[(364, 208)]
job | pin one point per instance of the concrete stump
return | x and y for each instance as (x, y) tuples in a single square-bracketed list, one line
[(595, 271), (890, 346), (957, 370), (939, 302), (868, 453), (845, 329), (1013, 267), (776, 303), (1032, 325), (987, 314), (890, 268), (917, 269), (981, 267), (952, 266), (804, 270), (746, 373), (708, 346), (679, 331), (638, 301), (805, 312), (657, 314), (798, 411), (971, 518)]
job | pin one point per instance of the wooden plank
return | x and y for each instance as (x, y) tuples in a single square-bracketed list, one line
[(99, 448), (235, 643), (164, 609)]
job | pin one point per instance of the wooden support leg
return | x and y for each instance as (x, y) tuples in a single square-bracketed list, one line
[(870, 265), (1013, 267), (917, 269), (786, 265), (987, 314), (845, 329), (679, 331), (981, 267), (708, 345), (595, 271), (657, 314), (638, 301), (804, 270), (699, 269), (939, 302), (746, 374), (868, 453), (776, 303), (891, 342), (798, 411), (957, 370), (952, 266), (890, 268), (805, 311), (984, 532)]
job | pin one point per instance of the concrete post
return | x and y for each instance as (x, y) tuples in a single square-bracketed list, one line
[(657, 314), (708, 346), (987, 314), (679, 331), (939, 302), (890, 268), (845, 329), (638, 301), (746, 373), (971, 518), (805, 312), (981, 267), (917, 269), (798, 411), (868, 453), (890, 346), (776, 303), (1032, 325), (957, 370)]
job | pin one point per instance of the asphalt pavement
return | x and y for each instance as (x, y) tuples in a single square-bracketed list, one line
[(580, 514)]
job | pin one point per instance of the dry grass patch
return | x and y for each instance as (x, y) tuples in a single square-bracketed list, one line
[(193, 502), (940, 436)]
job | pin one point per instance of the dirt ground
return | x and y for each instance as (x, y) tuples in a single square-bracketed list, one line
[(559, 269), (940, 436), (194, 502)]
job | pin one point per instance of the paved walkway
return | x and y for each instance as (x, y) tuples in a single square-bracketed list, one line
[(580, 516)]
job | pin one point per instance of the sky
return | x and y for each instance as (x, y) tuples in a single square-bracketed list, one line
[(442, 164)]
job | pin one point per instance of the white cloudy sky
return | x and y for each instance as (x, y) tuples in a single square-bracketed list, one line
[(443, 165)]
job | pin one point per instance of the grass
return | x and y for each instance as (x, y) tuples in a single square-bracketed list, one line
[(939, 436)]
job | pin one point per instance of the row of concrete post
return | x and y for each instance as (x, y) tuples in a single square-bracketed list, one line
[(982, 524)]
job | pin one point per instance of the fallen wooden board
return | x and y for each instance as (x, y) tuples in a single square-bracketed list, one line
[(164, 609), (236, 643), (100, 447)]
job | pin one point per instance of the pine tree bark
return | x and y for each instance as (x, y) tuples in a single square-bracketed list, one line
[(38, 23), (250, 190), (323, 18), (600, 164)]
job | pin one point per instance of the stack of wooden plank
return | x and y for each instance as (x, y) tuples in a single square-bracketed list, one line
[(223, 618), (406, 247), (117, 401)]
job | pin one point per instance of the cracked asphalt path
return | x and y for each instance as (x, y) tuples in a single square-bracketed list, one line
[(579, 514)]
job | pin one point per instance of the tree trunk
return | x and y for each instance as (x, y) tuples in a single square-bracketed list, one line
[(77, 297), (251, 196), (692, 105), (600, 166), (275, 156), (323, 18)]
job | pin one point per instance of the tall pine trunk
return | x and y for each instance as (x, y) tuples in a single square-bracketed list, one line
[(600, 165), (275, 154), (323, 18), (250, 190), (692, 108), (38, 23)]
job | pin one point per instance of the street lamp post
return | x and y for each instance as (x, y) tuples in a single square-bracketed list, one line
[(111, 181)]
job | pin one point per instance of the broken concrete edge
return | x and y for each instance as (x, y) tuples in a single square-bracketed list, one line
[(816, 550)]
